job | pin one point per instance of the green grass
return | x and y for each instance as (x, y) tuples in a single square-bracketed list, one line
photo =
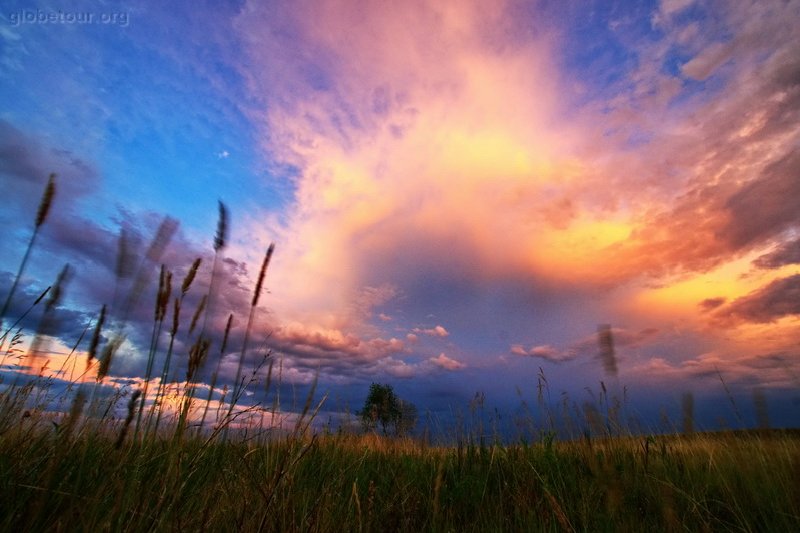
[(51, 480)]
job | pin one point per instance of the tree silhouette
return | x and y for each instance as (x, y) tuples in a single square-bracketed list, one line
[(383, 407)]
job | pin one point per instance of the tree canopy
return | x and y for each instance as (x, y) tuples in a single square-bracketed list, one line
[(385, 409)]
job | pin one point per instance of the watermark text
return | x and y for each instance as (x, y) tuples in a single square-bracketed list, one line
[(41, 16)]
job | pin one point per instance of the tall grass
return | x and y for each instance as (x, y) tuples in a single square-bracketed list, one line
[(77, 468)]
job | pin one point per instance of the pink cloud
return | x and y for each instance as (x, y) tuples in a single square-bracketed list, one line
[(446, 363), (546, 352)]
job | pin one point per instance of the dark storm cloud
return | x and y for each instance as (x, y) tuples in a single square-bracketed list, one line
[(777, 299), (766, 206), (25, 164), (787, 253), (711, 303)]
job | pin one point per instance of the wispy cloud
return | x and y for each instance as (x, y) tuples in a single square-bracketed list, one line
[(437, 331)]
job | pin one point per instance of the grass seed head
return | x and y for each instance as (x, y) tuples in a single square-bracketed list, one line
[(225, 336), (187, 281), (199, 311), (222, 228), (58, 287), (176, 311), (47, 201), (108, 355), (262, 273), (96, 336), (605, 339), (124, 267), (164, 234), (197, 357)]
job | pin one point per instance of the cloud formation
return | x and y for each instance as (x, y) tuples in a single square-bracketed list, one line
[(448, 154), (437, 331), (780, 298), (442, 361), (787, 253)]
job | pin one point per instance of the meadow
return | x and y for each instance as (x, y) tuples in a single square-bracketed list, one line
[(180, 460)]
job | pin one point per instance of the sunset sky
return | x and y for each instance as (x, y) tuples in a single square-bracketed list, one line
[(459, 192)]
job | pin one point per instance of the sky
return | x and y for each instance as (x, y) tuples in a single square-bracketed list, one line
[(461, 194)]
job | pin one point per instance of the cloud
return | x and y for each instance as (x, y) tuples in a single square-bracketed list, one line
[(778, 299), (787, 253), (437, 331), (711, 303), (766, 206), (587, 347), (774, 369), (338, 354), (429, 168), (25, 164), (545, 352), (446, 363), (671, 7)]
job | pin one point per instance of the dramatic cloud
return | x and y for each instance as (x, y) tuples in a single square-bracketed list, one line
[(785, 254), (778, 299)]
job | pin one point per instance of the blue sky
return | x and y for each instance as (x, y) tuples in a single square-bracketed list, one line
[(458, 197)]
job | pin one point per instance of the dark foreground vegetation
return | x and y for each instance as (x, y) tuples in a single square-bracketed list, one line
[(51, 480)]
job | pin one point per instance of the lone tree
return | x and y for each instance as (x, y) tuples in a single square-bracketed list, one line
[(383, 407)]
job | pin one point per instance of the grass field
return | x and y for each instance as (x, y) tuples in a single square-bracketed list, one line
[(79, 479)]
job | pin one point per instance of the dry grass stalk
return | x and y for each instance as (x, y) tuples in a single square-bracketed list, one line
[(199, 311), (605, 339), (96, 337), (162, 300), (215, 375), (128, 419), (237, 387), (47, 320), (23, 315), (41, 216), (559, 513)]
